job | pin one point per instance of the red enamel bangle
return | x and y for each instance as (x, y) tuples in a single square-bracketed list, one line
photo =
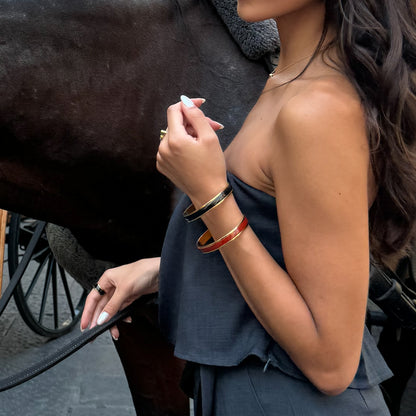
[(227, 238)]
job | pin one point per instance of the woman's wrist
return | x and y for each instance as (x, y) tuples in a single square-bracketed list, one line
[(223, 218), (154, 267), (192, 214), (201, 196)]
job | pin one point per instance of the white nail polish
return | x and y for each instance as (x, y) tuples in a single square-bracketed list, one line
[(102, 318), (221, 126), (187, 101)]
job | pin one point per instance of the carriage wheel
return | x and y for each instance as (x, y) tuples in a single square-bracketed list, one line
[(49, 302)]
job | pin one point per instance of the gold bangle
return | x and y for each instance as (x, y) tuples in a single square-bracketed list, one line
[(190, 214)]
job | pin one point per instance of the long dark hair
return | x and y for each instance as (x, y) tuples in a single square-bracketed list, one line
[(376, 44)]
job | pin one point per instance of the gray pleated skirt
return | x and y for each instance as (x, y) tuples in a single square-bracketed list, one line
[(249, 390)]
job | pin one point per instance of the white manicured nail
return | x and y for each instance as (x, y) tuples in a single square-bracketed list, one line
[(187, 101), (102, 318)]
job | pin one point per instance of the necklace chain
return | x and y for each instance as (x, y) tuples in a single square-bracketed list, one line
[(276, 72)]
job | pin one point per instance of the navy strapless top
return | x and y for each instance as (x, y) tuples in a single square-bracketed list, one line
[(201, 310)]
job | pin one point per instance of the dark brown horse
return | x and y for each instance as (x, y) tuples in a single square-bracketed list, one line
[(84, 87)]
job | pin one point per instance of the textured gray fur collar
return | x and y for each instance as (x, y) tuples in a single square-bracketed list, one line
[(255, 39)]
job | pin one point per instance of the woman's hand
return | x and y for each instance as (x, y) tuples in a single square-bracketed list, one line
[(190, 154), (122, 285)]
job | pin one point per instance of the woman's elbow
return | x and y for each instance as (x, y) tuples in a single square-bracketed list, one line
[(333, 382)]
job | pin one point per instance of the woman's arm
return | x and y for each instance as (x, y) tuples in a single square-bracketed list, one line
[(319, 166)]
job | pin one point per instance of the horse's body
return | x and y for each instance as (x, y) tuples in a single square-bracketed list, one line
[(84, 86)]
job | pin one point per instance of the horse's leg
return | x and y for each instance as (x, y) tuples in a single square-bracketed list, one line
[(153, 373)]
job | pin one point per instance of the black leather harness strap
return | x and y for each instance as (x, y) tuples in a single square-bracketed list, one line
[(68, 349)]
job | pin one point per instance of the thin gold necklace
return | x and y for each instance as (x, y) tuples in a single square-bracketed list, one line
[(275, 72)]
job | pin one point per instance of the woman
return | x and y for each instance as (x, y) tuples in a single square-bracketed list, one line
[(272, 318)]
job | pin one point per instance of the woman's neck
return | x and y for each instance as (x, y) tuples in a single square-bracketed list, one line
[(300, 33)]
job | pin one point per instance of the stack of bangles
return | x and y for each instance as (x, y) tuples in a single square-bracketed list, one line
[(190, 214)]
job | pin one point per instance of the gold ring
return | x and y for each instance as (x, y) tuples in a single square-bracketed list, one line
[(163, 134)]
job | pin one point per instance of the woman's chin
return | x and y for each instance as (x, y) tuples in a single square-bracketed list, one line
[(247, 15)]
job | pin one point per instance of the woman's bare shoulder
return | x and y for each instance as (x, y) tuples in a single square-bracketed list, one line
[(327, 111), (323, 121)]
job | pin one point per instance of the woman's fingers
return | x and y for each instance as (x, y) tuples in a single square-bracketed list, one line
[(115, 333), (214, 124), (96, 301), (194, 116), (198, 101), (181, 125), (194, 124), (176, 122), (106, 310), (98, 311), (90, 306)]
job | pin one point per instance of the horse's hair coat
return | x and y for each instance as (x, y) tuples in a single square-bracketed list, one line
[(84, 87)]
